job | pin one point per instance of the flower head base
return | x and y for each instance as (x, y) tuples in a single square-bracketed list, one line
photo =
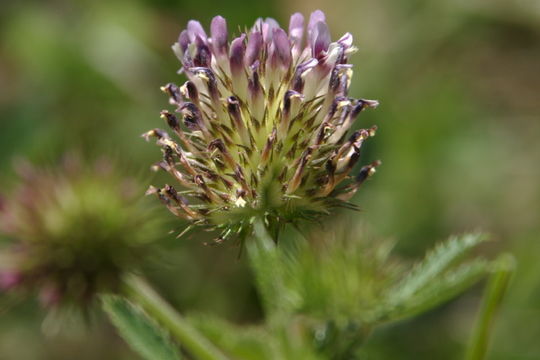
[(262, 125), (74, 233)]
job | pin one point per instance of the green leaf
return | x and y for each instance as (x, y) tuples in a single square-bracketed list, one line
[(447, 286), (143, 334), (434, 280), (434, 264)]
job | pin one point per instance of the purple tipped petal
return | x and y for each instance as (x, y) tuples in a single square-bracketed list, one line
[(218, 29), (254, 47), (210, 78), (171, 120), (316, 16), (287, 100), (236, 54), (296, 28), (175, 97), (192, 116), (346, 40), (305, 66), (257, 26), (282, 47), (255, 84), (320, 39), (203, 56), (191, 92), (183, 40), (194, 29), (298, 81), (233, 106), (268, 29)]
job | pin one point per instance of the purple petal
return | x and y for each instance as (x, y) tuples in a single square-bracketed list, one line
[(183, 41), (316, 16), (203, 56), (254, 47), (194, 29), (282, 46), (320, 39), (287, 100), (268, 29), (257, 26), (254, 84), (296, 28), (218, 29), (298, 82), (233, 106), (346, 40), (192, 116), (175, 97), (236, 54), (305, 66), (191, 92), (210, 79), (171, 120)]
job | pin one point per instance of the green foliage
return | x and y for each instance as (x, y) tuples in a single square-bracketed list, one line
[(447, 286), (322, 298), (435, 263), (249, 343), (267, 261), (343, 288), (339, 280), (143, 334), (289, 341), (458, 136), (503, 269), (435, 279)]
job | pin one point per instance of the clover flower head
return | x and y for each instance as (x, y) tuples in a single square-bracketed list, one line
[(72, 232), (261, 126)]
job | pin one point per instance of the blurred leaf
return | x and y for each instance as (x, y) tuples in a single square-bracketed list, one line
[(434, 280), (443, 289), (434, 264), (247, 343), (142, 333)]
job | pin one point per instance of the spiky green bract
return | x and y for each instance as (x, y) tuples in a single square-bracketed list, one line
[(74, 231), (262, 126), (143, 334)]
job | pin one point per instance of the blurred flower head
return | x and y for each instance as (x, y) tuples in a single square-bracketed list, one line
[(73, 232), (262, 125)]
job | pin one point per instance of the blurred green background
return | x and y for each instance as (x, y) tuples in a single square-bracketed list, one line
[(459, 122)]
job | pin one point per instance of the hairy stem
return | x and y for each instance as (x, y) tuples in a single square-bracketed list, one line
[(494, 294), (140, 292), (265, 262)]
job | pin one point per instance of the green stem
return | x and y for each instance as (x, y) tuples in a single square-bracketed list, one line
[(496, 288), (265, 262), (139, 291)]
